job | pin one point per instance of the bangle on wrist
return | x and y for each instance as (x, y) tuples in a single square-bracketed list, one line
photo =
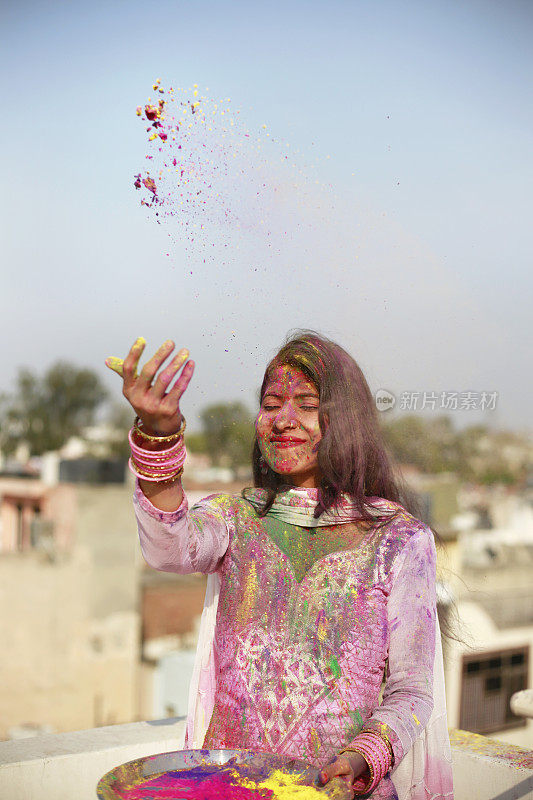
[(137, 425), (376, 751), (158, 466), (147, 477), (385, 738)]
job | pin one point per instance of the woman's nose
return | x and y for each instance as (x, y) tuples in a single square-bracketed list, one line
[(285, 419)]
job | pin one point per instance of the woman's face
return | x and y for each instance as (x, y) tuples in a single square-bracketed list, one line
[(287, 427)]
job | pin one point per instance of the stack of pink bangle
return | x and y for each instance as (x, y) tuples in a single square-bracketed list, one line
[(158, 466), (377, 754)]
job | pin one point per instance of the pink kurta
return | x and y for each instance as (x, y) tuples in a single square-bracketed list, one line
[(309, 622)]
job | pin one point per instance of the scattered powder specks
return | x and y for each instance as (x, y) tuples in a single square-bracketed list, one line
[(209, 173)]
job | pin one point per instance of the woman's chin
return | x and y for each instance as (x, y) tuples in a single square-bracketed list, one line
[(284, 469)]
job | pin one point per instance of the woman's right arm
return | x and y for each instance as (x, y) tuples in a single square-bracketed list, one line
[(172, 538), (184, 540)]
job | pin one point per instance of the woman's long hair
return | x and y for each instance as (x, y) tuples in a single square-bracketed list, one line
[(352, 455)]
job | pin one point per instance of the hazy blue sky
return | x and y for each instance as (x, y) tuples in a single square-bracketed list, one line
[(417, 116)]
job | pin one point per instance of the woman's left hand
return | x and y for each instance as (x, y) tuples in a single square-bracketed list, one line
[(348, 767)]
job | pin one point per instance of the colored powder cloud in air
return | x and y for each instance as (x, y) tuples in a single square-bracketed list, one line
[(208, 171)]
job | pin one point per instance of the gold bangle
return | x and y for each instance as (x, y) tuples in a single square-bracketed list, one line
[(369, 783), (154, 478), (168, 480), (144, 472), (171, 438)]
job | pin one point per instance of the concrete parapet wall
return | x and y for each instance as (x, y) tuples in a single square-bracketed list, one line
[(487, 769), (68, 765)]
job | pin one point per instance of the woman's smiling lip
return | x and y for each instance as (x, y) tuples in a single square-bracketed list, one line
[(286, 441)]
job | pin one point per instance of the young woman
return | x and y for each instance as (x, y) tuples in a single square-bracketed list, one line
[(319, 637)]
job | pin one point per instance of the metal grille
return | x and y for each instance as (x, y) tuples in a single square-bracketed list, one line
[(488, 682)]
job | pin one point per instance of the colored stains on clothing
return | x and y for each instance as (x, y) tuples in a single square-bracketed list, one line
[(302, 675), (315, 742), (335, 668), (305, 547), (300, 640), (249, 594)]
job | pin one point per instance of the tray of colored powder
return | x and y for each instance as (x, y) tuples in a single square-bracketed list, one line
[(217, 775)]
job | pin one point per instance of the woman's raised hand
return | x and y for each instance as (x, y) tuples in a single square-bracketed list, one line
[(157, 408)]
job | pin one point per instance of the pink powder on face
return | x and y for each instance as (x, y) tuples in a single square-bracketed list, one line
[(289, 409)]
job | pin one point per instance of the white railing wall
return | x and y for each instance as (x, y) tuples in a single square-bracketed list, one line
[(67, 766)]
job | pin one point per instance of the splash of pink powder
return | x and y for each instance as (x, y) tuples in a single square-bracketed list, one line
[(167, 787)]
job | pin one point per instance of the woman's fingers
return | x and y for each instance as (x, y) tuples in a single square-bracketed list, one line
[(150, 368), (156, 406), (116, 364), (173, 397), (165, 378), (340, 768), (131, 362)]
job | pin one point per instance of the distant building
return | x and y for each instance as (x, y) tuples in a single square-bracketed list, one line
[(69, 565), (488, 572), (438, 498)]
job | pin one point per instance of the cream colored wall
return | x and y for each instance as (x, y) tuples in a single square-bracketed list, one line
[(70, 628), (106, 526), (60, 504), (146, 689), (50, 672)]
